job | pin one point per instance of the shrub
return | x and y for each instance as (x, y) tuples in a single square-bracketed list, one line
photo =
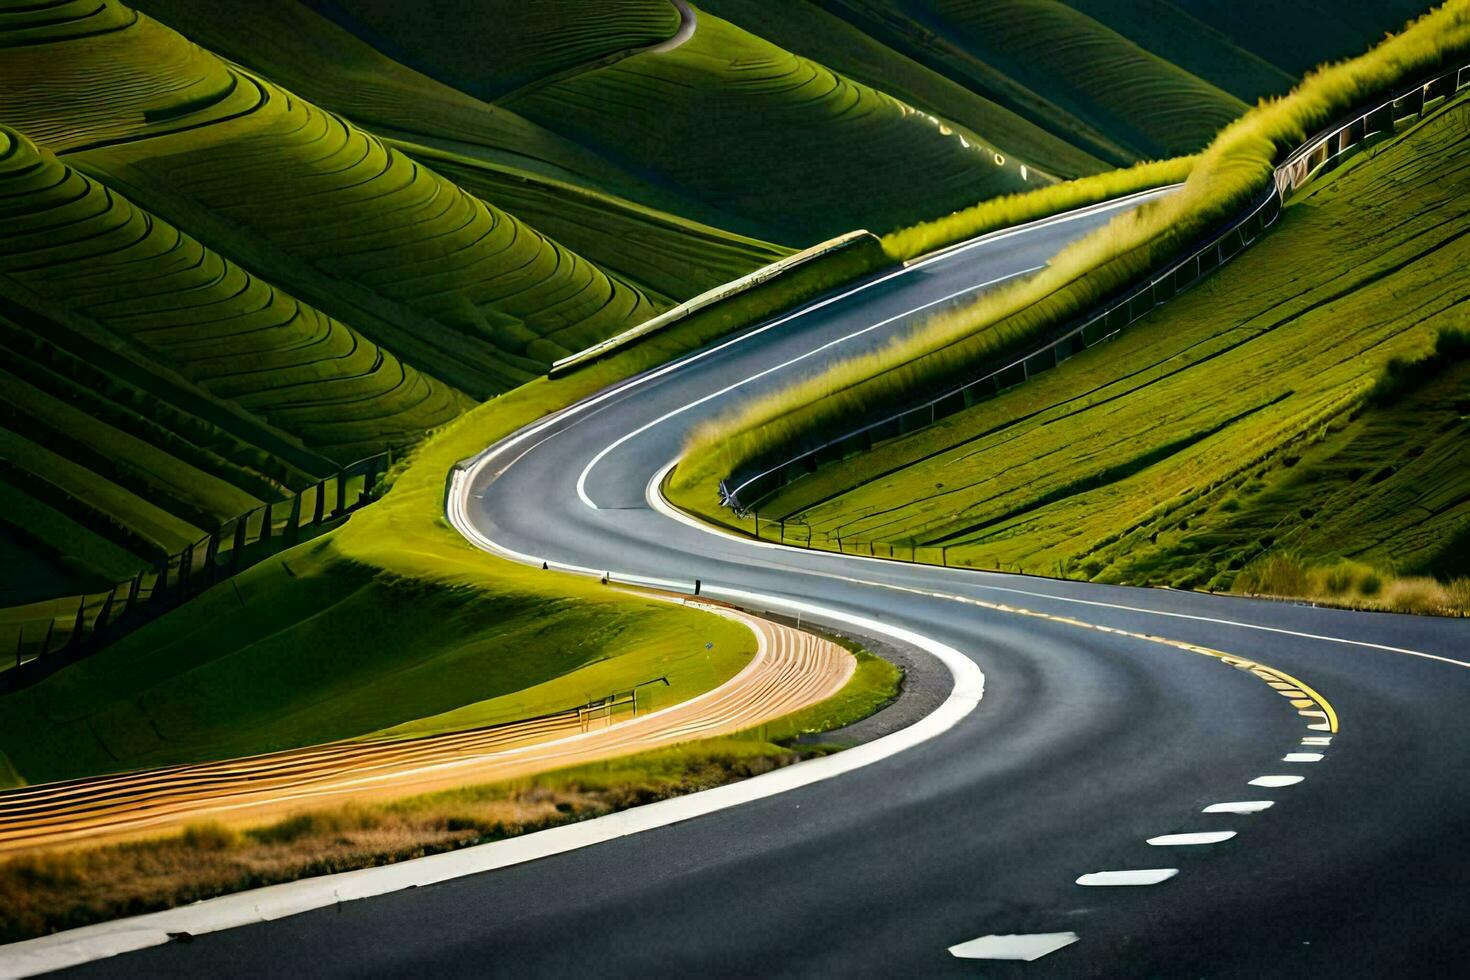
[(1279, 573), (1016, 209)]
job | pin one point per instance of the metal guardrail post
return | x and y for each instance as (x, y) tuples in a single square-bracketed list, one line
[(293, 521)]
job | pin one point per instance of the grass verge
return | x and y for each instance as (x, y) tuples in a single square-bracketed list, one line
[(69, 887), (1017, 209), (1310, 401), (1229, 172), (392, 622)]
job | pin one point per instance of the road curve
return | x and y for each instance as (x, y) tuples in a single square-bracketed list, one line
[(1155, 783), (790, 670)]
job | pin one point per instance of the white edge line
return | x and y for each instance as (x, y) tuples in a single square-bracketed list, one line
[(1141, 197), (660, 503), (88, 943), (813, 352)]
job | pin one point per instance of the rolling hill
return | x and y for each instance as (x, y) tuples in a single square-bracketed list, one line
[(1247, 419), (1119, 79), (242, 245)]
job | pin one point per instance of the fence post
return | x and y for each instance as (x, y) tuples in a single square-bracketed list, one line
[(106, 611), (46, 640), (293, 523), (78, 625), (321, 501), (211, 556), (341, 493), (237, 549), (186, 565), (265, 524), (160, 585)]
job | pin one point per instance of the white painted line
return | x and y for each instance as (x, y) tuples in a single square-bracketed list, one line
[(1243, 806), (1017, 947), (70, 948), (1303, 757), (1321, 726), (625, 437), (1316, 739), (1186, 840), (1273, 782), (965, 576), (1148, 876)]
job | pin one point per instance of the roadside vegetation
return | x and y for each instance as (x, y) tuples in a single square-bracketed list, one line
[(1294, 425), (65, 888), (1234, 168), (1017, 209), (74, 885)]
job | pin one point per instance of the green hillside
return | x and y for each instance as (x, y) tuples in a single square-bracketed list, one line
[(1124, 79), (446, 280), (142, 478), (517, 44), (807, 29), (611, 216), (733, 120), (1231, 425)]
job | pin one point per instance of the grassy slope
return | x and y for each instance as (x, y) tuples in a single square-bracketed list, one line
[(1114, 77), (1166, 29), (669, 257), (75, 245), (804, 28), (385, 621), (516, 43), (1300, 35), (732, 120), (1225, 424), (311, 647), (138, 477), (1086, 71), (452, 283), (612, 217)]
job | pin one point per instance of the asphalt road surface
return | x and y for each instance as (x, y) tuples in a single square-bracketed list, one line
[(1087, 745)]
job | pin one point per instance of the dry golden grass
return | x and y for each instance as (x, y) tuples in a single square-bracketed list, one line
[(64, 888), (1354, 585)]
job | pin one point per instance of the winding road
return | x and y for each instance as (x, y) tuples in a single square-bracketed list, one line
[(1154, 783)]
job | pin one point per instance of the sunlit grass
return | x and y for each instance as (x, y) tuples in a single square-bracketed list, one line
[(1237, 165)]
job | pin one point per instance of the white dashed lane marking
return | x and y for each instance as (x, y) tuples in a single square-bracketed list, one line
[(1317, 740), (1303, 757), (1184, 840), (1026, 947), (1144, 876), (1243, 806), (1272, 782)]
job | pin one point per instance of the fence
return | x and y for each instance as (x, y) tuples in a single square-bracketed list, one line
[(66, 630), (743, 490)]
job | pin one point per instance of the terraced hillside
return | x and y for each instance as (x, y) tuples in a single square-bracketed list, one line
[(131, 476), (1235, 424), (772, 138), (1124, 80), (517, 44), (448, 281), (613, 217)]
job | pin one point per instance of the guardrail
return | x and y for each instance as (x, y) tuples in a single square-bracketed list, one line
[(743, 490), (41, 648), (709, 298)]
